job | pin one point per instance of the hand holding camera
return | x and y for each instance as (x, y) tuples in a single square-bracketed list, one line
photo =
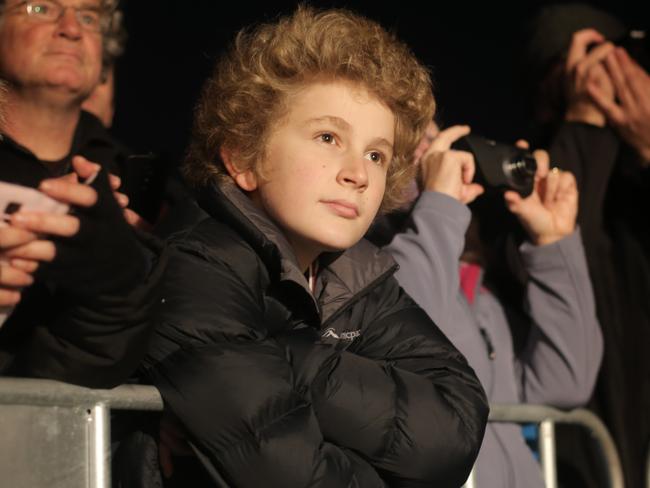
[(549, 213), (545, 202), (449, 171)]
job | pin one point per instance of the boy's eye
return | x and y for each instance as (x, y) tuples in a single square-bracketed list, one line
[(327, 138), (376, 157)]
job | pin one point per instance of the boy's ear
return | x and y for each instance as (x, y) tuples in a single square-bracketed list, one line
[(245, 179)]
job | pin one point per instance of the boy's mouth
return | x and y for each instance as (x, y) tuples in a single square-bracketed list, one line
[(342, 208)]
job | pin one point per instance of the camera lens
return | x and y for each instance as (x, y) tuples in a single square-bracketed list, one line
[(520, 172), (520, 168)]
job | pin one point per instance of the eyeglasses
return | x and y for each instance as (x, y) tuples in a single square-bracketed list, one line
[(51, 11)]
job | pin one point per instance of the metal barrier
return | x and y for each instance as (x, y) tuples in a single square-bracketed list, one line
[(70, 426), (547, 417), (57, 435), (647, 469)]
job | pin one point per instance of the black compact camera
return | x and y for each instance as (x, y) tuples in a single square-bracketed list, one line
[(500, 166)]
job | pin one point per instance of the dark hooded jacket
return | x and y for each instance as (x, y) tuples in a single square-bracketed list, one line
[(350, 386)]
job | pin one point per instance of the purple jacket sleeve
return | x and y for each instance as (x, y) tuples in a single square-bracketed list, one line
[(561, 360), (428, 252)]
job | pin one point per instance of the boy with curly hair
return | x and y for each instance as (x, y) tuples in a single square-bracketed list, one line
[(285, 347)]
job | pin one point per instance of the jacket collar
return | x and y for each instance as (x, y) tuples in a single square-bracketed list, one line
[(343, 276)]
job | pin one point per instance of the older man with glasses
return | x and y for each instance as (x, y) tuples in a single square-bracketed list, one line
[(52, 55), (75, 289)]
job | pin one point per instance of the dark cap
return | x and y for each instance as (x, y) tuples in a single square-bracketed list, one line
[(552, 28)]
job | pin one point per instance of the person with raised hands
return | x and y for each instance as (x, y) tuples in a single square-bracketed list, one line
[(624, 101), (597, 126), (444, 267)]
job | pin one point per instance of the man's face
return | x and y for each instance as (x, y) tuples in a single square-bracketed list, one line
[(59, 55), (325, 167)]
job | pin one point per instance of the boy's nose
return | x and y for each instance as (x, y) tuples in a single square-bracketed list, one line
[(354, 172)]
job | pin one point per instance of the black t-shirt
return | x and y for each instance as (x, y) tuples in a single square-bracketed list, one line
[(19, 165)]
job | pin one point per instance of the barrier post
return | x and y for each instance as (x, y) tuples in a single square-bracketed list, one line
[(99, 449), (547, 452)]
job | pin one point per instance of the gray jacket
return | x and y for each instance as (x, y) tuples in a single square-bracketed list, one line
[(564, 348)]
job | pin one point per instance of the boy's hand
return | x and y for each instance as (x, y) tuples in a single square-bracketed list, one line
[(449, 171), (629, 111), (549, 213)]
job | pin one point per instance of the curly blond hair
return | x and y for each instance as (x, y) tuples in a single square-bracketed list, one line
[(266, 64)]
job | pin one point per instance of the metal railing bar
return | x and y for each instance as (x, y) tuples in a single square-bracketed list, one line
[(29, 391), (539, 413)]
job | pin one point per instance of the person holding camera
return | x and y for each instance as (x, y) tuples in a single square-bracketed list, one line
[(444, 267)]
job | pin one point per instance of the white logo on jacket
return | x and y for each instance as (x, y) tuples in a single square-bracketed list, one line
[(344, 336)]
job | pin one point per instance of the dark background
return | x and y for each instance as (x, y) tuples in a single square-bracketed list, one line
[(471, 50)]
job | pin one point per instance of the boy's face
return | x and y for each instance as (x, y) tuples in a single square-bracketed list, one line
[(325, 167)]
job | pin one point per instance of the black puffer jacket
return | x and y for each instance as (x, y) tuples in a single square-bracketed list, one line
[(278, 389)]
